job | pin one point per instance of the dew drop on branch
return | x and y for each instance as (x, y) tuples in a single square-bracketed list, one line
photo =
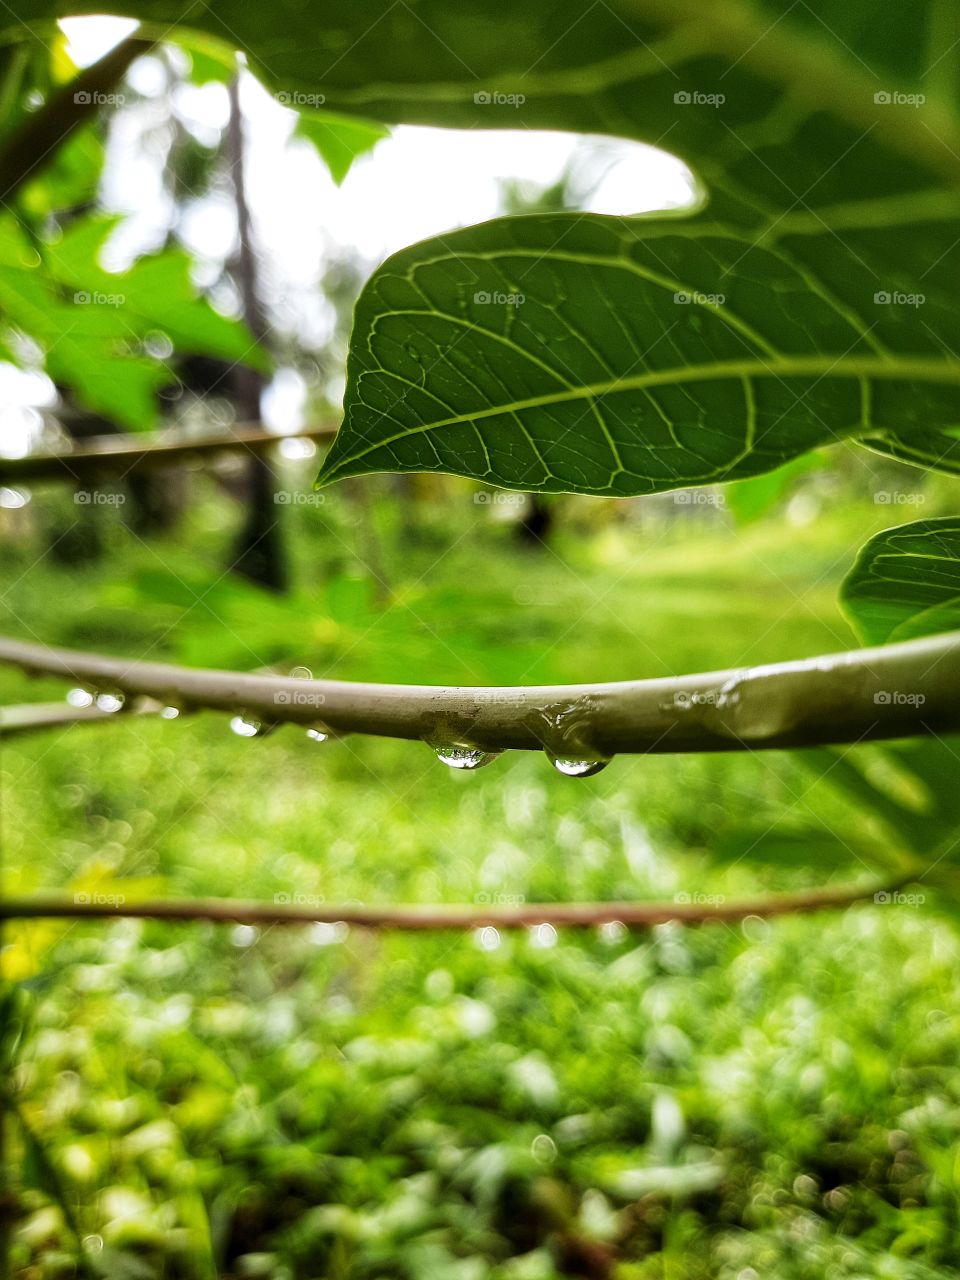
[(80, 698), (464, 757), (246, 727), (575, 768), (110, 702)]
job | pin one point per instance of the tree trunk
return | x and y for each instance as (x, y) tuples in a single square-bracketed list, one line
[(258, 553)]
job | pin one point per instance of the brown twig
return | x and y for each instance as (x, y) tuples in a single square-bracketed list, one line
[(634, 915), (106, 455)]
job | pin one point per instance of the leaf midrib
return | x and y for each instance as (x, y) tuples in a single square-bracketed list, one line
[(798, 366)]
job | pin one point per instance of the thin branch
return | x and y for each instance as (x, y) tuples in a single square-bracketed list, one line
[(635, 915), (57, 715), (896, 691), (106, 455), (33, 144)]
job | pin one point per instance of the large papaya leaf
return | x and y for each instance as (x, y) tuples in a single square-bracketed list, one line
[(906, 582), (613, 356), (827, 136)]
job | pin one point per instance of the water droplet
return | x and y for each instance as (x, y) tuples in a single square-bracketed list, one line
[(571, 768), (327, 934), (110, 701), (244, 935), (80, 698), (488, 938), (317, 735), (158, 345), (246, 727), (544, 1148), (613, 932), (296, 447), (464, 757), (13, 499), (169, 713), (543, 935)]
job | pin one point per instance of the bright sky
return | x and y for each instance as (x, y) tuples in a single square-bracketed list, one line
[(417, 183)]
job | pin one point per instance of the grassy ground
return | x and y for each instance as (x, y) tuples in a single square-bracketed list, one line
[(768, 1099)]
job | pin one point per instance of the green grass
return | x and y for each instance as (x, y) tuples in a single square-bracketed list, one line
[(766, 1099)]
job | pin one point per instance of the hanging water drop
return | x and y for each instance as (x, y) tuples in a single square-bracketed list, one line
[(246, 727), (169, 713), (543, 935), (572, 767), (80, 698), (110, 702), (317, 735), (464, 757)]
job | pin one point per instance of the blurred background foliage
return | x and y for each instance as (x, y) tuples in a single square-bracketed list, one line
[(774, 1098), (206, 1100)]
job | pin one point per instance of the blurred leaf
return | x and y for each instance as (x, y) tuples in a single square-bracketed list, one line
[(906, 582), (787, 848), (910, 787), (93, 325), (339, 140), (752, 499)]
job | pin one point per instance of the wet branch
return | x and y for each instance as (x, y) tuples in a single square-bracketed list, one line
[(898, 690)]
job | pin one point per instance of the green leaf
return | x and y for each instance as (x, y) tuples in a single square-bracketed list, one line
[(610, 356), (339, 140), (157, 293), (909, 787), (906, 582), (92, 325)]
